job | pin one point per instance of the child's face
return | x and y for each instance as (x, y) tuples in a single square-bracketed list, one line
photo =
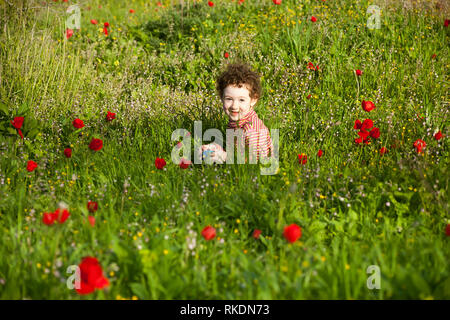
[(237, 102)]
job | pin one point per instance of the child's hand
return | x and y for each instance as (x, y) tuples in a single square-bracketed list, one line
[(213, 153)]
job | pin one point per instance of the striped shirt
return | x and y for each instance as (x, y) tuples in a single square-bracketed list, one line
[(256, 135)]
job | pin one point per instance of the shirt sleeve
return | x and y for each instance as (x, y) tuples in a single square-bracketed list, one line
[(258, 142)]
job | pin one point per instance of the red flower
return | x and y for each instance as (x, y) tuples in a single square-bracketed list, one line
[(210, 3), (105, 31), (256, 233), (447, 230), (292, 233), (368, 106), (320, 153), (160, 163), (277, 1), (184, 163), (131, 11), (446, 22), (91, 220), (69, 33), (358, 72), (92, 206), (77, 123), (358, 124), (363, 134), (48, 218), (308, 97), (367, 124), (61, 216), (375, 133), (433, 56), (93, 21), (302, 158), (91, 275), (96, 144), (311, 66), (419, 145), (313, 19), (110, 116), (68, 152), (208, 233), (383, 150), (31, 165), (18, 122), (159, 4), (438, 135), (358, 140), (106, 24), (226, 55), (241, 1)]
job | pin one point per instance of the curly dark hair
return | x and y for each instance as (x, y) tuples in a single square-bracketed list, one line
[(239, 74)]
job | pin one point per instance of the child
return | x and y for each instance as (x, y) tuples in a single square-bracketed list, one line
[(239, 89)]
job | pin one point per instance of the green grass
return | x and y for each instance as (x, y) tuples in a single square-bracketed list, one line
[(355, 207)]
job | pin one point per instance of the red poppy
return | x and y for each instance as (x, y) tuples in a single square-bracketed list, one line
[(77, 123), (31, 165), (383, 150), (433, 56), (96, 144), (358, 140), (256, 233), (210, 3), (302, 158), (438, 135), (91, 220), (358, 124), (292, 233), (17, 123), (208, 233), (93, 21), (375, 133), (358, 72), (446, 22), (160, 163), (367, 124), (419, 145), (313, 19), (226, 55), (447, 230), (131, 11), (68, 152), (308, 97), (311, 66), (105, 31), (48, 218), (368, 106), (159, 4), (91, 275), (110, 116), (277, 1), (363, 134), (320, 153), (106, 24), (61, 216), (69, 33), (184, 163), (92, 206), (241, 1)]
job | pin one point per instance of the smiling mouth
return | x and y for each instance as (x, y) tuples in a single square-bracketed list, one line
[(234, 113)]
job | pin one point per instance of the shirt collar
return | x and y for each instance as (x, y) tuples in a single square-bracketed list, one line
[(243, 121)]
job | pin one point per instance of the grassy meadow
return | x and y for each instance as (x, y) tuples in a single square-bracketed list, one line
[(156, 69)]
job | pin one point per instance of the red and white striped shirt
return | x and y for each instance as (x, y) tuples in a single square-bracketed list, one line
[(256, 135)]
